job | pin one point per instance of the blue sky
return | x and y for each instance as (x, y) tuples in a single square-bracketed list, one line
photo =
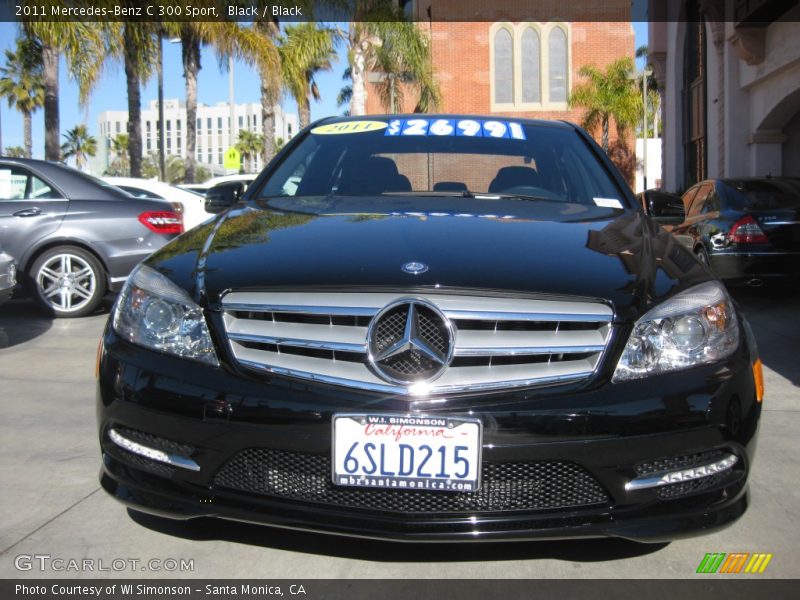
[(212, 88)]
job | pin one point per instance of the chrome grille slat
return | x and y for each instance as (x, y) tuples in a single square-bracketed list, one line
[(338, 335), (495, 349), (484, 315), (315, 344), (526, 350), (486, 343)]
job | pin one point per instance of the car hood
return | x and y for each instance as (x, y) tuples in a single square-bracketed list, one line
[(494, 246)]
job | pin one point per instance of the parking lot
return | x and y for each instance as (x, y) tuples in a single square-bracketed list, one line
[(53, 505)]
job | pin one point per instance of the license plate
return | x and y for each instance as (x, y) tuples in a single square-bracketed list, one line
[(407, 452)]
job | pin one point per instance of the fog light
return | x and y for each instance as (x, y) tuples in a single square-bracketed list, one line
[(152, 453), (682, 475)]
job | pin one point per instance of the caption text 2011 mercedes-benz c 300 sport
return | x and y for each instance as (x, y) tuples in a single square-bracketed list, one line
[(425, 328)]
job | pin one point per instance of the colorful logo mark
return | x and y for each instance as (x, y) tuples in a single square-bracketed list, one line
[(736, 562)]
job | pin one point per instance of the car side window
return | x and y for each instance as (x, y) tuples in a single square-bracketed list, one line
[(39, 189), (13, 183), (687, 197), (711, 203), (698, 200)]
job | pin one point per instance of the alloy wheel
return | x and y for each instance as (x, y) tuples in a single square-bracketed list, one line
[(67, 282)]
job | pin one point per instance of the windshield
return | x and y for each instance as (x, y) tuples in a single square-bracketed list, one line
[(764, 193), (444, 157)]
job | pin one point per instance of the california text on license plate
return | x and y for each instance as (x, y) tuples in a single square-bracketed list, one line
[(407, 452)]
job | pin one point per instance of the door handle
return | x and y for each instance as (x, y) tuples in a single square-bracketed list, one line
[(28, 212)]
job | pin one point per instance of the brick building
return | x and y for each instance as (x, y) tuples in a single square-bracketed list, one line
[(521, 59)]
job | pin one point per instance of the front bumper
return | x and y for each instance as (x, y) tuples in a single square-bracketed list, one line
[(609, 431)]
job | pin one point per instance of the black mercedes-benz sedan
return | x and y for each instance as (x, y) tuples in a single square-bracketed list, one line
[(747, 230), (432, 328)]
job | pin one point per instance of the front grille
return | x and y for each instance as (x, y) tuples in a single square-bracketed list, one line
[(499, 342), (514, 486)]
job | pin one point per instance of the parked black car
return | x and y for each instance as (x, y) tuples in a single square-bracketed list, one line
[(747, 230), (74, 236), (432, 328)]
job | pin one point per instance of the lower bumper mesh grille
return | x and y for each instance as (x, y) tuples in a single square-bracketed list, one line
[(305, 477)]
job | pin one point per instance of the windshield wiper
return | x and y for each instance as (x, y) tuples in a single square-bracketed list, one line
[(435, 193), (505, 195)]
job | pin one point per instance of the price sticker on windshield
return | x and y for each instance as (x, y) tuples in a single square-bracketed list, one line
[(456, 127), (346, 127)]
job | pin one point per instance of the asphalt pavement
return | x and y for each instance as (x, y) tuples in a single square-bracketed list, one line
[(53, 506)]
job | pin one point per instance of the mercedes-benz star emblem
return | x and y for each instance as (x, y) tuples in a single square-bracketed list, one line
[(414, 268), (410, 341)]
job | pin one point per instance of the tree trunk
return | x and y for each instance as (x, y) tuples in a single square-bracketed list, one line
[(358, 72), (267, 120), (26, 119), (134, 107), (52, 128), (162, 169), (303, 112), (605, 134), (191, 66)]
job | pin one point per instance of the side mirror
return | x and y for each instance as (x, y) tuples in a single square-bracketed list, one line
[(223, 195), (666, 209)]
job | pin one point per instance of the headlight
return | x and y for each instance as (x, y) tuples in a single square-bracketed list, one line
[(155, 313), (696, 327)]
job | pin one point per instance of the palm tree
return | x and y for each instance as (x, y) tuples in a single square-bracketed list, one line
[(305, 50), (120, 166), (84, 45), (79, 144), (139, 39), (21, 83), (270, 84), (346, 93), (15, 152), (653, 96), (403, 57), (607, 95), (249, 145), (406, 56), (228, 39), (174, 168)]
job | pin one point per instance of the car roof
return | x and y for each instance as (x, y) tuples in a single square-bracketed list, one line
[(70, 182)]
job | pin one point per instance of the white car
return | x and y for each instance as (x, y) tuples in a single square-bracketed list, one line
[(194, 211), (202, 188)]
